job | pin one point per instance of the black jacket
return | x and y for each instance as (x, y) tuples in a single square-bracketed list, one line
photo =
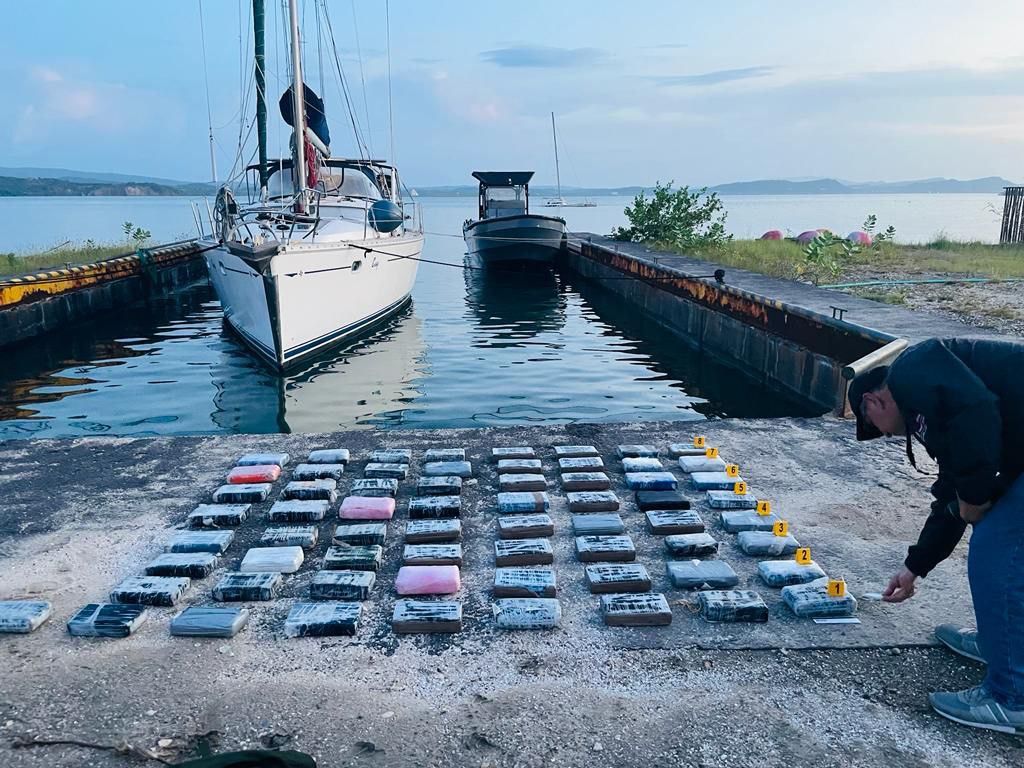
[(963, 399)]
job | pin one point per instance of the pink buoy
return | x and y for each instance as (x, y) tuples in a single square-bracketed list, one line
[(367, 508), (805, 237), (859, 238), (772, 234), (428, 580)]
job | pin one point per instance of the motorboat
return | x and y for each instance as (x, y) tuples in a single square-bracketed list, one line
[(505, 230)]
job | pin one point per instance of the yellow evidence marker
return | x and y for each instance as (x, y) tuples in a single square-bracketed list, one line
[(836, 588), (740, 488), (764, 507), (781, 528), (699, 441), (732, 470), (711, 453), (803, 555)]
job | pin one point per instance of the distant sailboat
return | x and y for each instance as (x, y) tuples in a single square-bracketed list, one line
[(560, 202)]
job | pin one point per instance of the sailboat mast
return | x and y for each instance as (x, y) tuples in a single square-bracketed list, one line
[(298, 109), (261, 89), (558, 173)]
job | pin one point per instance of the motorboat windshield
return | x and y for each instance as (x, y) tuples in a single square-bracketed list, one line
[(503, 193), (504, 201)]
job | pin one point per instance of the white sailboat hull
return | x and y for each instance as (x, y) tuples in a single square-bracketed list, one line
[(310, 297)]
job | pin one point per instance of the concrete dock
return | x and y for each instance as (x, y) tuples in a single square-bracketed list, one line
[(80, 515), (791, 336), (44, 302)]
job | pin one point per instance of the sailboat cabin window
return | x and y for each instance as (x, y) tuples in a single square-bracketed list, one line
[(334, 181)]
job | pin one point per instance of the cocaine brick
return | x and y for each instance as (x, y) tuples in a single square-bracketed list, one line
[(524, 582), (247, 587), (342, 585), (664, 522), (643, 609), (617, 578)]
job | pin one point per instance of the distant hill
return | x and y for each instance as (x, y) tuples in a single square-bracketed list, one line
[(66, 174), (34, 187), (989, 184), (63, 181)]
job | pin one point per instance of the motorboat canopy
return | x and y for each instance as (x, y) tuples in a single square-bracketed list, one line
[(503, 193)]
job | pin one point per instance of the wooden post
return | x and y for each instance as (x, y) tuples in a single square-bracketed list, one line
[(1012, 229)]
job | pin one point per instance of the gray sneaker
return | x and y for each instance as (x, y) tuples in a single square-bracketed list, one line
[(976, 707), (961, 641)]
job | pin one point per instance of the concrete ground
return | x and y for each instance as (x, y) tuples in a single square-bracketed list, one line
[(80, 515), (899, 321)]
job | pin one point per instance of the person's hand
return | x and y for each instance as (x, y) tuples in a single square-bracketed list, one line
[(901, 586), (972, 513)]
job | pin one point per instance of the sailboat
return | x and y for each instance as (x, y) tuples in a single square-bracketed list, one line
[(325, 248), (561, 202)]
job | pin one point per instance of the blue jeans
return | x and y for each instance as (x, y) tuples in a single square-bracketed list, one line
[(995, 568)]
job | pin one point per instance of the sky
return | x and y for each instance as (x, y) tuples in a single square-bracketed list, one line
[(698, 93)]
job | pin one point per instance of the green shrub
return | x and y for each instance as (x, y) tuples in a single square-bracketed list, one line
[(675, 217)]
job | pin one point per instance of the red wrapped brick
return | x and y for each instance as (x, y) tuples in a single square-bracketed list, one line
[(257, 473)]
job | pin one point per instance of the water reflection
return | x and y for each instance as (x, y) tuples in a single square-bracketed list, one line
[(363, 383), (476, 348), (509, 306), (713, 388)]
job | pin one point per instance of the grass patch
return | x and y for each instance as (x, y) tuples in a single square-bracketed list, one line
[(778, 258), (19, 264), (882, 294), (785, 258)]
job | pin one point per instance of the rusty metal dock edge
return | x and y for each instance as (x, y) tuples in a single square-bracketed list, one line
[(788, 348), (31, 305)]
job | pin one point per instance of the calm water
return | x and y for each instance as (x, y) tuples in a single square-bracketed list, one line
[(472, 350), (38, 223)]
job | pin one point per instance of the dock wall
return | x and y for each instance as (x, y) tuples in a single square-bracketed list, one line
[(786, 347), (32, 305)]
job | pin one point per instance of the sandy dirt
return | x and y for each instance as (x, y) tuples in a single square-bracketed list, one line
[(80, 515), (995, 307)]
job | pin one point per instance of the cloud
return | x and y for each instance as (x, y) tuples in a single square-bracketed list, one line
[(714, 78), (53, 101), (543, 56)]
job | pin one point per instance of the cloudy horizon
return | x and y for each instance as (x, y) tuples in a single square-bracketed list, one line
[(648, 92)]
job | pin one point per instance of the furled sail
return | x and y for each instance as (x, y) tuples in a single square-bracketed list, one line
[(316, 118)]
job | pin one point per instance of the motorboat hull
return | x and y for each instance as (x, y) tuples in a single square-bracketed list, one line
[(528, 238), (308, 298)]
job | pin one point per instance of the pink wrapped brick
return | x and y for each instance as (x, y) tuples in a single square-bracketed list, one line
[(367, 508), (257, 473), (428, 580)]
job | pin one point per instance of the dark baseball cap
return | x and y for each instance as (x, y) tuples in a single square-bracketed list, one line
[(868, 381)]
